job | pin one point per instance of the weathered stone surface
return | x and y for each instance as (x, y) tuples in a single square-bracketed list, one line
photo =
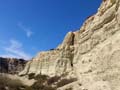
[(91, 54), (11, 65), (43, 63), (53, 62)]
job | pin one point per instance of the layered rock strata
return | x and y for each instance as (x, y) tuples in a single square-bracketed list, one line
[(91, 54), (11, 65), (53, 62)]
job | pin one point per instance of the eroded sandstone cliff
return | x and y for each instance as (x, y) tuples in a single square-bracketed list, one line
[(54, 62), (91, 54), (11, 65)]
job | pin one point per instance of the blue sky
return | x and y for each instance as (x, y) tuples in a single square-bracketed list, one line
[(30, 26)]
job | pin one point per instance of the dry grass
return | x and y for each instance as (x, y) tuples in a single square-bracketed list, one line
[(6, 82)]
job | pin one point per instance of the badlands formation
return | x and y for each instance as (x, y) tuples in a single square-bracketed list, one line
[(11, 65), (91, 54)]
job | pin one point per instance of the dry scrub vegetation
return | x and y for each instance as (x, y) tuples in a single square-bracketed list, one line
[(43, 82), (9, 84)]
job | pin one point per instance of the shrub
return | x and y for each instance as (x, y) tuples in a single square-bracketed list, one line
[(53, 80), (41, 77), (69, 88), (31, 76), (65, 81), (40, 86)]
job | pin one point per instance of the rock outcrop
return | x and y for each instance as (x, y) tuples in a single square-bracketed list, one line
[(11, 65), (53, 62), (91, 54)]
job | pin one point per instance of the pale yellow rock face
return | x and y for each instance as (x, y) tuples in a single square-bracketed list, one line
[(53, 62), (91, 54)]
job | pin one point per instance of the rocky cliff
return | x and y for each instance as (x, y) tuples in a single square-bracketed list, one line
[(11, 65), (56, 61), (91, 54)]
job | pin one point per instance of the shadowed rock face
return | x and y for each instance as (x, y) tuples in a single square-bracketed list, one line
[(91, 54), (11, 65)]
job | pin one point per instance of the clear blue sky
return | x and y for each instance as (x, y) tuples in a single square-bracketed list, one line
[(30, 26)]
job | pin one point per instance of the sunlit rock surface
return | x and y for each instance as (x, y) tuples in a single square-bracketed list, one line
[(91, 54)]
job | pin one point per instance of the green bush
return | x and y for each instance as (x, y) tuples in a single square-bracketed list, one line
[(31, 76), (41, 83), (65, 81), (38, 85), (41, 77), (53, 80)]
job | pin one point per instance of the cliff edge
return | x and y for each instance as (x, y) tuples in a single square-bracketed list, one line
[(91, 54)]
